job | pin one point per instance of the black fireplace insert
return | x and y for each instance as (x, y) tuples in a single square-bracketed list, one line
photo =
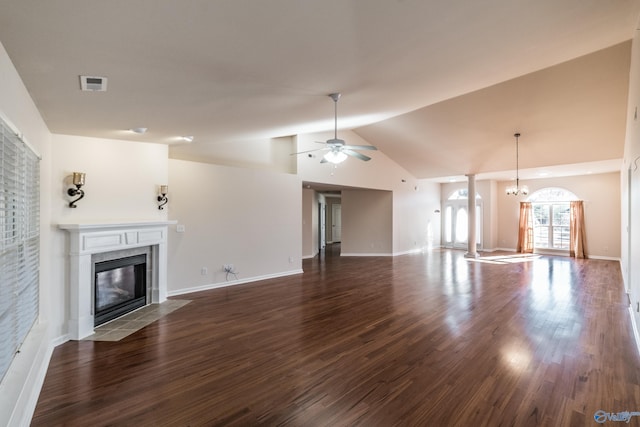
[(120, 287)]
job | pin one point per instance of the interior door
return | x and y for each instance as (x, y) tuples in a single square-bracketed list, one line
[(322, 229), (336, 223)]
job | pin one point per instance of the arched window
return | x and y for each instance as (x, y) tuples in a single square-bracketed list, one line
[(462, 194), (551, 217)]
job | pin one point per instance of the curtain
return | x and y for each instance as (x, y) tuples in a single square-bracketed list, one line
[(577, 240), (525, 229)]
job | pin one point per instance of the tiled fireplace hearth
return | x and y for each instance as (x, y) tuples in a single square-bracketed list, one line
[(89, 243)]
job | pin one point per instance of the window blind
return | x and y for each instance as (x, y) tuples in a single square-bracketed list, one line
[(19, 242)]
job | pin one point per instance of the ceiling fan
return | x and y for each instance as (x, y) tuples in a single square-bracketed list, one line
[(337, 150)]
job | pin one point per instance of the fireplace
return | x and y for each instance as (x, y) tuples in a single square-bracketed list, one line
[(120, 286), (92, 244)]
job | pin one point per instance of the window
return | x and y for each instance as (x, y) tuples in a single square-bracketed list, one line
[(462, 194), (462, 221), (19, 242), (551, 218), (448, 223)]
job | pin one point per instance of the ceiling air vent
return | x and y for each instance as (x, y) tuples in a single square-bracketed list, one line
[(93, 84)]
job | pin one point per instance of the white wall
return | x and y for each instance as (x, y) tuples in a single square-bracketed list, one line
[(272, 154), (20, 386), (601, 196), (491, 214), (245, 217), (416, 224), (122, 179), (630, 229), (309, 223)]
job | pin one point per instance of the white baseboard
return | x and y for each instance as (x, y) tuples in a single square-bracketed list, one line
[(366, 254), (606, 258), (557, 253), (60, 340), (411, 251), (207, 287), (634, 325), (310, 256)]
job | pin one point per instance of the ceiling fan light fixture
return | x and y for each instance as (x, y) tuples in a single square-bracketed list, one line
[(335, 157), (337, 149)]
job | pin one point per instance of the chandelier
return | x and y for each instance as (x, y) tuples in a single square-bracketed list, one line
[(515, 190)]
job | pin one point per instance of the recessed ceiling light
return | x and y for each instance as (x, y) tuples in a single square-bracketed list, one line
[(188, 138), (138, 130)]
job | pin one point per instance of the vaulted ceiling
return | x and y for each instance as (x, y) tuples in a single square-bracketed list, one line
[(439, 87)]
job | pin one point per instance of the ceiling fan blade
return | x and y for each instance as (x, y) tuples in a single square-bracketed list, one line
[(360, 147), (356, 155)]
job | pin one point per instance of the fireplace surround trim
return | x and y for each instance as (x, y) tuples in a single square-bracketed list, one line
[(88, 239)]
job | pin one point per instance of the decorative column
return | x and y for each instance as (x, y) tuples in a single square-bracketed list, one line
[(471, 208)]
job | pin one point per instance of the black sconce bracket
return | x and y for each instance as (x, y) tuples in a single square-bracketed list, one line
[(75, 192), (164, 201)]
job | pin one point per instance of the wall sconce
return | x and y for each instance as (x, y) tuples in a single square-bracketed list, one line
[(78, 181), (162, 197)]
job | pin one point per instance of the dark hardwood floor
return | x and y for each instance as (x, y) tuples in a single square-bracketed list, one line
[(428, 339)]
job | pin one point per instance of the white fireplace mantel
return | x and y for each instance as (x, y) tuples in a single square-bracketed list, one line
[(86, 240)]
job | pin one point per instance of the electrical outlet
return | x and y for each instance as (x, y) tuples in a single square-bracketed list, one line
[(204, 271)]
